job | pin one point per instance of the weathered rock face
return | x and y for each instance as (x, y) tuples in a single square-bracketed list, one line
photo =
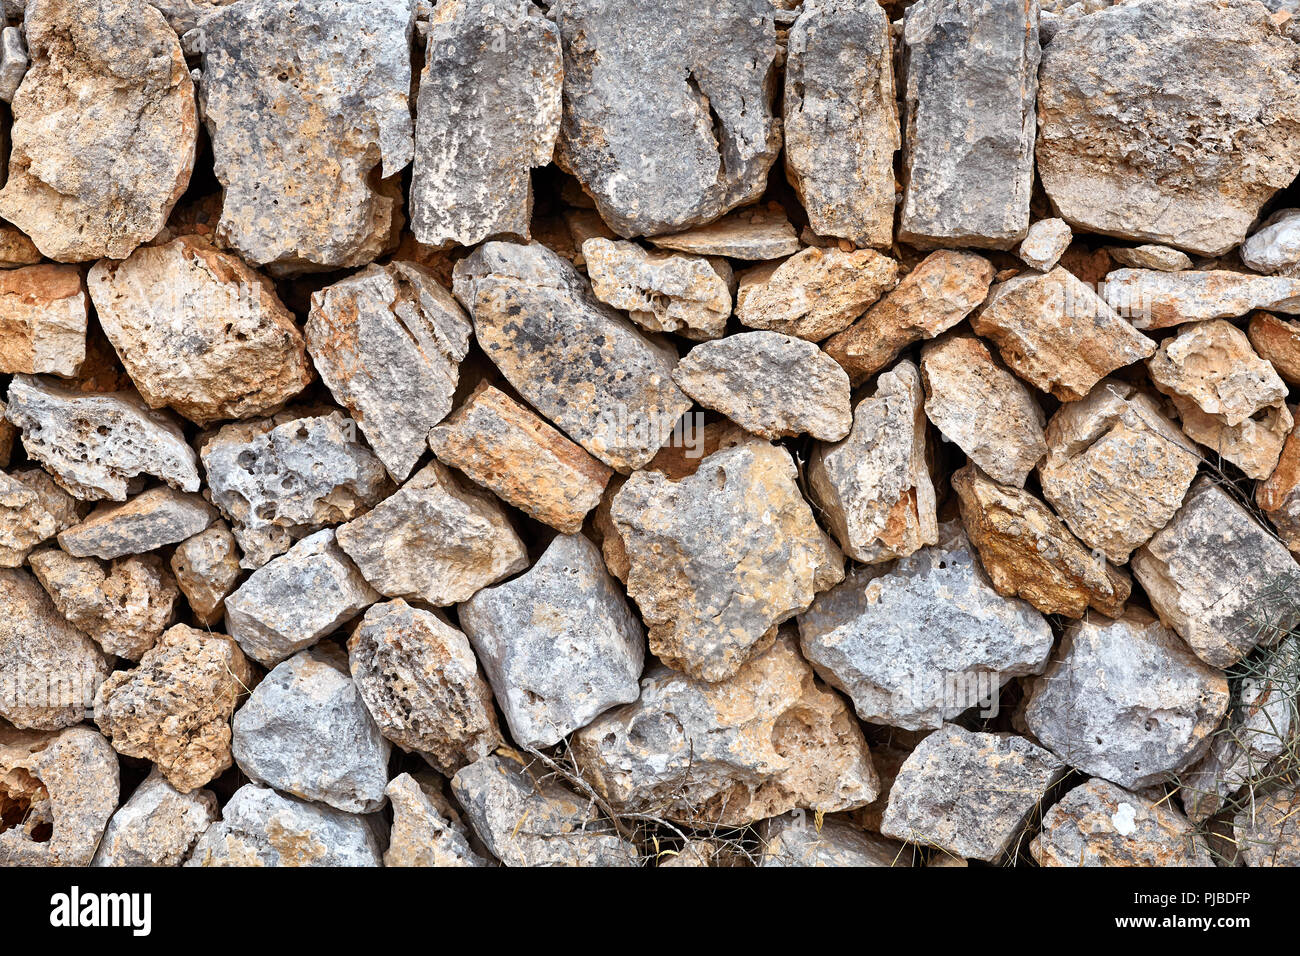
[(969, 794), (152, 519), (970, 75), (422, 833), (65, 509), (1278, 342), (1029, 553), (941, 291), (198, 330), (307, 105), (767, 740), (279, 479), (1218, 578), (104, 129), (1126, 700), (1275, 247), (1055, 333), (1114, 108), (1116, 469), (661, 291), (15, 248), (918, 643), (1266, 833), (696, 102), (260, 827), (436, 541), (720, 557), (754, 234), (175, 707), (487, 113), (874, 487), (525, 821), (560, 644), (157, 826), (1098, 824), (388, 342), (1157, 300), (794, 840), (94, 444), (420, 681), (1044, 244), (815, 293), (841, 120), (24, 522), (1161, 258), (579, 363), (42, 320), (206, 568)]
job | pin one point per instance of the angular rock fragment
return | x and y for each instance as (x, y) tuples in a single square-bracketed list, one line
[(970, 75), (1044, 244), (388, 342), (24, 522), (969, 794), (422, 834), (1278, 342), (206, 568), (104, 130), (720, 557), (661, 291), (767, 740), (95, 443), (1267, 833), (794, 840), (1055, 333), (874, 487), (152, 519), (13, 62), (754, 234), (1161, 258), (200, 331), (488, 112), (1028, 552), (675, 132), (815, 293), (42, 320), (157, 826), (307, 105), (16, 249), (61, 506), (1279, 496), (560, 643), (1275, 247), (1151, 299)]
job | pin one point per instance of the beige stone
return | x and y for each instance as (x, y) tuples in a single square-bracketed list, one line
[(24, 522), (661, 291), (16, 249), (42, 320), (1044, 244), (756, 233), (1278, 342), (1161, 258), (152, 519), (207, 569), (1152, 299), (1266, 833)]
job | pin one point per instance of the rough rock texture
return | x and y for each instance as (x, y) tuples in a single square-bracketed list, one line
[(919, 642), (104, 129), (969, 794), (767, 740), (579, 363), (16, 249), (42, 320), (874, 488), (970, 75), (1278, 342), (436, 541), (517, 455), (1275, 246), (1120, 90), (1218, 578), (422, 833), (1267, 833), (200, 331), (990, 414), (305, 731), (1044, 244), (754, 234), (560, 643), (841, 120), (1279, 496), (1157, 300), (420, 681), (95, 443), (157, 826), (720, 557), (661, 291), (796, 841), (61, 506), (1157, 257), (1098, 824), (388, 342), (674, 132), (24, 522), (152, 519), (306, 102), (206, 568)]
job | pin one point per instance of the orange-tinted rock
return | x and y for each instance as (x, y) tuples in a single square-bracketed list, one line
[(42, 320)]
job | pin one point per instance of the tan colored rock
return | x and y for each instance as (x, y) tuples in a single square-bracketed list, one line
[(24, 522), (7, 435), (1151, 299), (661, 291), (974, 401), (42, 320), (754, 234), (199, 331), (941, 291), (66, 510), (157, 826), (426, 830), (207, 569), (1028, 552), (1045, 243), (175, 707), (1117, 469), (1161, 258), (1278, 342), (16, 249), (152, 519), (105, 127)]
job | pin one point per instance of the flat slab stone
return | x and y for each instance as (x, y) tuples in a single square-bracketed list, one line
[(1153, 299), (795, 840), (661, 291), (151, 520), (752, 234)]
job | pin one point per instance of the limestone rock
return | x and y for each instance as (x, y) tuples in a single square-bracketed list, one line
[(1279, 496), (1275, 247), (104, 129), (516, 454), (1056, 334), (184, 15), (675, 132), (1028, 552), (753, 234), (206, 568), (422, 834), (487, 113), (95, 443), (152, 519), (61, 506), (13, 62), (42, 320), (1161, 258), (720, 557), (841, 119), (157, 826), (1119, 90), (794, 840), (1267, 833), (1152, 299), (16, 249), (296, 599), (1278, 342), (990, 414), (969, 794), (200, 331), (874, 487), (560, 643), (24, 522), (815, 293), (661, 291), (307, 105), (1044, 244), (970, 75), (388, 342)]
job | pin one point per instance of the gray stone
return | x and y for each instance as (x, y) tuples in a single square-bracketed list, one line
[(795, 840), (157, 826), (1044, 244), (1266, 833), (1275, 246), (423, 834), (206, 567), (24, 522), (1155, 299), (13, 62), (661, 291), (152, 519), (753, 234)]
